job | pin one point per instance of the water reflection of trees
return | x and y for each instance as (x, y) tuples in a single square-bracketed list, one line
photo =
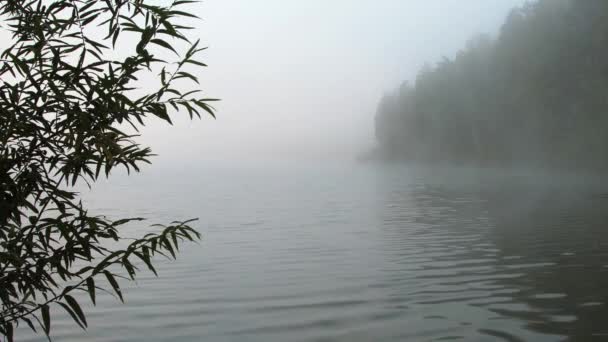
[(566, 231), (533, 258)]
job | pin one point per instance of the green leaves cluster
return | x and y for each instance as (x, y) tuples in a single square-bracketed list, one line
[(65, 100)]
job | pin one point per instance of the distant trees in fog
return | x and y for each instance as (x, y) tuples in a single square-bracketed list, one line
[(538, 93)]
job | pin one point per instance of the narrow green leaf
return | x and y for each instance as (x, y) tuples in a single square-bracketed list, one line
[(76, 307), (46, 319), (163, 44), (181, 2), (72, 314), (29, 323), (91, 289), (191, 61), (9, 332), (114, 284), (146, 259)]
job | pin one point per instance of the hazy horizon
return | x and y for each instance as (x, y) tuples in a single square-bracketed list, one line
[(303, 79), (391, 170)]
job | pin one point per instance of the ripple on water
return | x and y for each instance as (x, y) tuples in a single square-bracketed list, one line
[(375, 258)]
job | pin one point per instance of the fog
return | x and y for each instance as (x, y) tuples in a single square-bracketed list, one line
[(477, 209), (302, 79)]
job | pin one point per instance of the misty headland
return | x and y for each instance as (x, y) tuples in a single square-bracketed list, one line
[(534, 96)]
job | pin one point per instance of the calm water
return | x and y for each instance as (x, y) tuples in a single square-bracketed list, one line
[(362, 253)]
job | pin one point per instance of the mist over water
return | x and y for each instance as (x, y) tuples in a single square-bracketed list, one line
[(440, 235), (358, 253)]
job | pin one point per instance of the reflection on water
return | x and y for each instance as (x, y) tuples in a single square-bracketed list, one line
[(366, 254), (532, 257)]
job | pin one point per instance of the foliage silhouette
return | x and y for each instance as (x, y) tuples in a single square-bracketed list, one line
[(69, 91)]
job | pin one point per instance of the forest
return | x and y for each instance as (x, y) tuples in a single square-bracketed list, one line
[(537, 94)]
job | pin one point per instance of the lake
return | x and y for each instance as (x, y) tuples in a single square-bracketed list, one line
[(360, 253)]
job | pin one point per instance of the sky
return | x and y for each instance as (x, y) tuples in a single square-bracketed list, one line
[(301, 79)]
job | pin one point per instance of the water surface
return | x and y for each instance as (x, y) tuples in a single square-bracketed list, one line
[(362, 253)]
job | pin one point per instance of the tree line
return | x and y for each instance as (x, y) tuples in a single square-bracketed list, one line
[(537, 94)]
